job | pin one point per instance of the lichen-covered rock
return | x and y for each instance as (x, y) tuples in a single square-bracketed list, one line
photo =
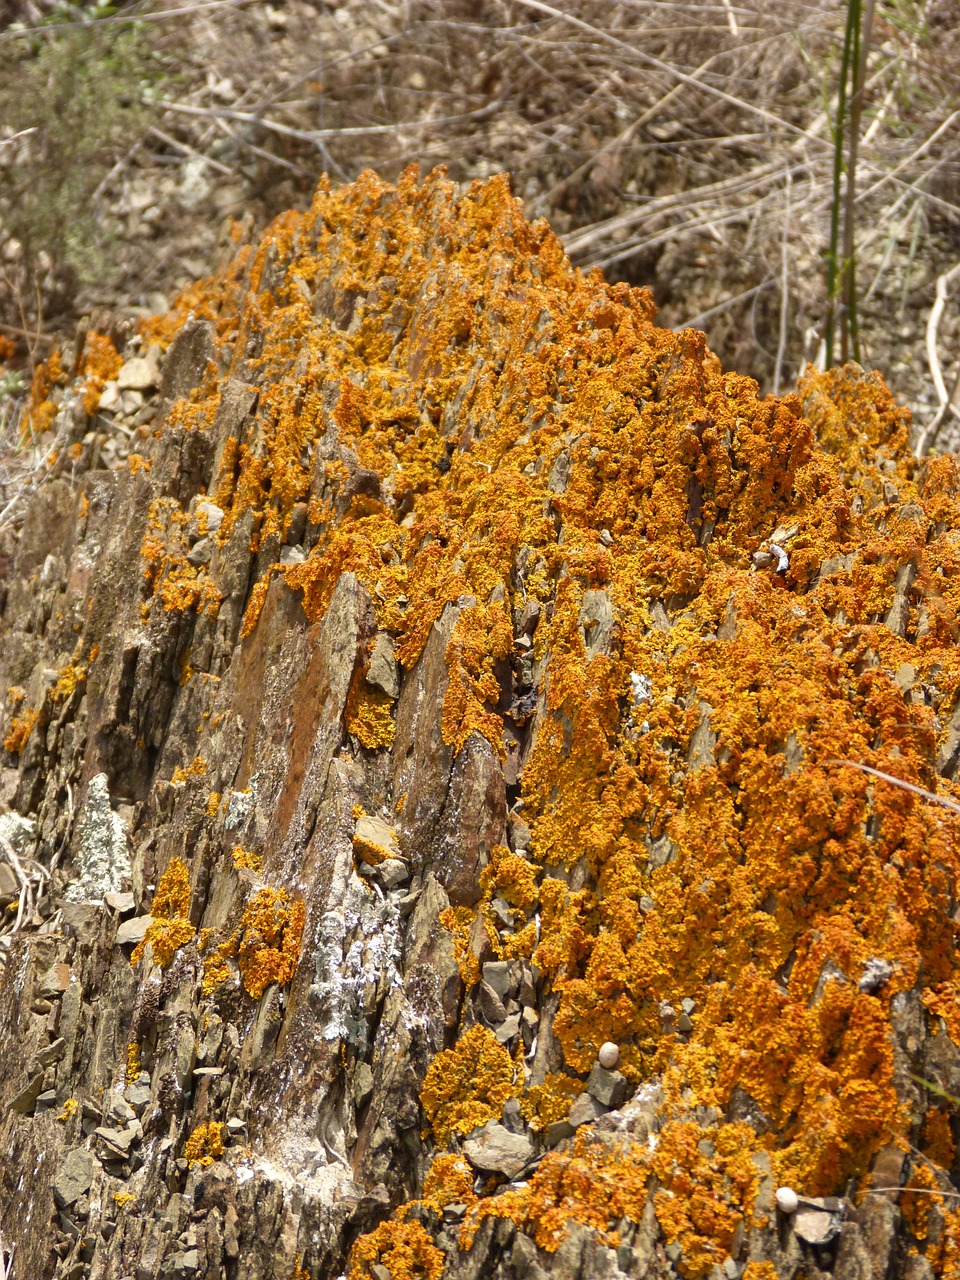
[(487, 681)]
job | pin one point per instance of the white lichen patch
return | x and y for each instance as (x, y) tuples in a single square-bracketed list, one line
[(641, 688), (356, 962), (102, 856), (238, 809)]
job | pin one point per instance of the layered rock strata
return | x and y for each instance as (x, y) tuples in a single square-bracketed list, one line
[(436, 675)]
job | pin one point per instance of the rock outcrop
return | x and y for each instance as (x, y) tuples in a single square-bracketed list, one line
[(438, 673)]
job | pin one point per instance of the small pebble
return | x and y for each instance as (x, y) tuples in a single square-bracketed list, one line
[(787, 1200), (609, 1055)]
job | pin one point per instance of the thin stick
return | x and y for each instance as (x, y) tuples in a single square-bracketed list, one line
[(851, 327), (784, 292), (899, 782), (833, 253)]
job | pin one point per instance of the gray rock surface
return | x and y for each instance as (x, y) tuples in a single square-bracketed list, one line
[(496, 1150)]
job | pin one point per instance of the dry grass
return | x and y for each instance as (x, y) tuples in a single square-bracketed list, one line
[(684, 145)]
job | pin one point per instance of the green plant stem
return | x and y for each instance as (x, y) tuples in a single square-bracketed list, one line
[(850, 329), (852, 25)]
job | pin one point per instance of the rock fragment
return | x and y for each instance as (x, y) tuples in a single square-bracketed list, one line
[(496, 1150), (75, 1176)]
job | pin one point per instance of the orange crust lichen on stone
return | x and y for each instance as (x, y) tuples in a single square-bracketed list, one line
[(470, 421)]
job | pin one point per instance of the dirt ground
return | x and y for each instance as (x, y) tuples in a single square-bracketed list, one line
[(686, 147)]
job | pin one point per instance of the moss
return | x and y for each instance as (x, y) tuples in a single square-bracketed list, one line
[(205, 1144), (171, 928), (467, 1085)]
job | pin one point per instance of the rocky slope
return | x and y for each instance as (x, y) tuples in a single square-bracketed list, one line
[(434, 843)]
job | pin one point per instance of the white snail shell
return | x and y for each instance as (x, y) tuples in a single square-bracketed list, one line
[(787, 1200), (609, 1055)]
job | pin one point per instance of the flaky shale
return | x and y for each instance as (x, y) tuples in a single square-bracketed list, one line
[(453, 673)]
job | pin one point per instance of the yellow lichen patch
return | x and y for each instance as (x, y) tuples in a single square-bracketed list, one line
[(41, 408), (21, 726), (938, 1144), (205, 1144), (368, 714), (171, 928), (195, 769), (467, 1085), (70, 1108), (449, 1181), (213, 804), (121, 1198), (167, 574), (133, 1062), (271, 932), (245, 859), (99, 363), (216, 966), (404, 1248), (198, 409), (68, 679), (707, 1188), (373, 840), (459, 921), (593, 1184), (482, 635)]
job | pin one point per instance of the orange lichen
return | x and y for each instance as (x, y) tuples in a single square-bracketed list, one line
[(167, 573), (404, 1248), (195, 769), (205, 1144), (467, 1085), (213, 804), (245, 859), (459, 922), (448, 1181), (593, 1184), (99, 363), (271, 932), (133, 1062), (171, 928), (21, 726), (41, 408), (482, 636), (366, 849), (216, 965), (68, 679), (475, 427), (70, 1108), (707, 1188), (368, 714)]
